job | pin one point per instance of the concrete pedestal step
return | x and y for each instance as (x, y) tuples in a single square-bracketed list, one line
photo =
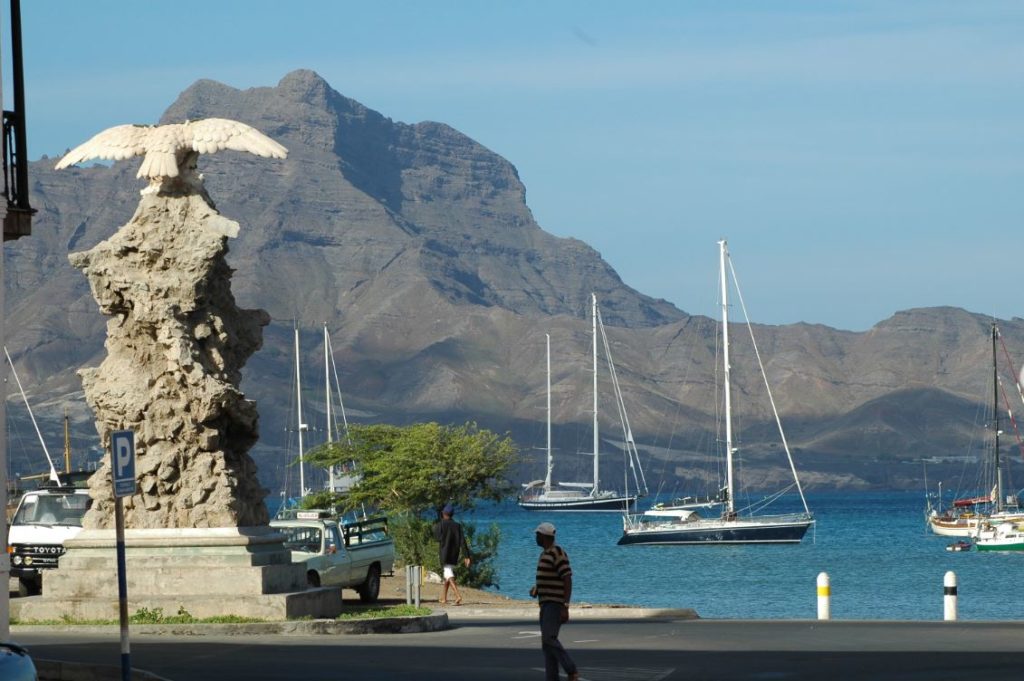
[(322, 602)]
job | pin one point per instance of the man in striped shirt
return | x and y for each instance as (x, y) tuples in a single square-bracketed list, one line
[(553, 590)]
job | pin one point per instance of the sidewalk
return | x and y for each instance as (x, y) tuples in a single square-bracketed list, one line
[(481, 604)]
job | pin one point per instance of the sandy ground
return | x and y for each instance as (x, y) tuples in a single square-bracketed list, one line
[(392, 591)]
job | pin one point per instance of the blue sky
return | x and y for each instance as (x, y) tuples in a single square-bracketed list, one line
[(861, 157)]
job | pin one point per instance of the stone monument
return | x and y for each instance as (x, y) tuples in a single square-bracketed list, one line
[(196, 530)]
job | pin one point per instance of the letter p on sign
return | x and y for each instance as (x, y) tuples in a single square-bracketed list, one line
[(122, 444)]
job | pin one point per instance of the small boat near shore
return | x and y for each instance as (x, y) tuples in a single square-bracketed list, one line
[(961, 545)]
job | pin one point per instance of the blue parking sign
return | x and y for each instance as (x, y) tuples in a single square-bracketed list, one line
[(122, 459)]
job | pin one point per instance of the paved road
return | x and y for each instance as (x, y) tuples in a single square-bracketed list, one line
[(608, 650)]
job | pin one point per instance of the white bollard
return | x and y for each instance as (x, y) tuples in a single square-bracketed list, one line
[(949, 596), (824, 597), (412, 584)]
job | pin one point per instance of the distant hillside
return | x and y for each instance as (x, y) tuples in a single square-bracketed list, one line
[(415, 245)]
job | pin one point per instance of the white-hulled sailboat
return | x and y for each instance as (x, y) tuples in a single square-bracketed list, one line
[(989, 518), (683, 525), (543, 495)]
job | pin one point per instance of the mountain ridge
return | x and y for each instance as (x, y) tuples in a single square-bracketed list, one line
[(414, 243)]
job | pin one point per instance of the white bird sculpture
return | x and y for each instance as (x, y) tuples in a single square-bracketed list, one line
[(171, 149)]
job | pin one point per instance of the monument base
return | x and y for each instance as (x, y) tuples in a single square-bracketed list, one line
[(206, 572)]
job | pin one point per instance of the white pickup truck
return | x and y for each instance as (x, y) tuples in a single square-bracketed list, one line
[(350, 556), (44, 520)]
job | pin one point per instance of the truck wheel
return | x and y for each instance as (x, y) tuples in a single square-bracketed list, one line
[(370, 589), (313, 579)]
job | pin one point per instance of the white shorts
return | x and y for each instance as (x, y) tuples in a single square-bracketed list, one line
[(449, 572)]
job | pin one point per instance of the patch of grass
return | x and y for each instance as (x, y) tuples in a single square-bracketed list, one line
[(63, 620), (378, 613), (157, 616), (230, 619)]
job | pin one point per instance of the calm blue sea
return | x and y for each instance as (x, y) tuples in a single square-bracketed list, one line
[(882, 562)]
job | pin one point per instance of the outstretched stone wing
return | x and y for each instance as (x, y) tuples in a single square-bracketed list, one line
[(213, 134), (113, 144)]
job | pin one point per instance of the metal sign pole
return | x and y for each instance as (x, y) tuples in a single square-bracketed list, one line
[(122, 592), (122, 465)]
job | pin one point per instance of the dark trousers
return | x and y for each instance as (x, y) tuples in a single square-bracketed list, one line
[(554, 653)]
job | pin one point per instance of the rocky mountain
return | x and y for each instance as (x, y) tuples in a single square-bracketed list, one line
[(415, 246)]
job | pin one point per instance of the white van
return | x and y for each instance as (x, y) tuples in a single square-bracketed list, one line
[(44, 520)]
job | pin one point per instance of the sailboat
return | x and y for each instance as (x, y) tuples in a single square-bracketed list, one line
[(970, 514), (338, 480), (683, 524), (543, 495)]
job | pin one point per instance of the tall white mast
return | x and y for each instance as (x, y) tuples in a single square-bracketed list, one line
[(327, 396), (722, 255), (593, 314), (302, 426), (551, 464)]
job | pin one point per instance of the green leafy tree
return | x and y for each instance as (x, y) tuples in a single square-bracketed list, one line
[(411, 472), (323, 498)]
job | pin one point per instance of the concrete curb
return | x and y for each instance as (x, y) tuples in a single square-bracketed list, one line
[(438, 620), (384, 625)]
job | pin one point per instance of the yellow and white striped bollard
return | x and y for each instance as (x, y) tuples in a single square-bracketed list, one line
[(824, 597)]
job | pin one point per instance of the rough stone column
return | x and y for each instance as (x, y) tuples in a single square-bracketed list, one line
[(176, 344)]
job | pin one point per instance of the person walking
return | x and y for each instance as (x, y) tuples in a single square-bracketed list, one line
[(553, 590), (452, 542)]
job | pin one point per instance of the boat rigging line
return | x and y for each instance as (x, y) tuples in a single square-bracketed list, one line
[(53, 471), (771, 398)]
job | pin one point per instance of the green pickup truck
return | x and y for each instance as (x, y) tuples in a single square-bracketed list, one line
[(347, 555)]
